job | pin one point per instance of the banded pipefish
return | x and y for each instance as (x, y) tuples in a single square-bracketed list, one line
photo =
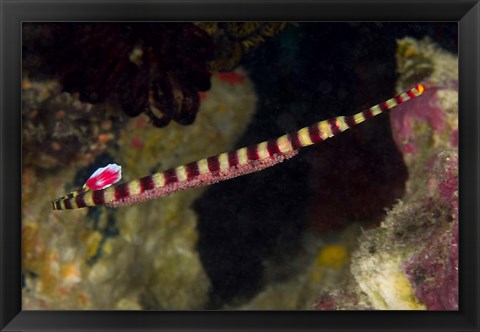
[(226, 165)]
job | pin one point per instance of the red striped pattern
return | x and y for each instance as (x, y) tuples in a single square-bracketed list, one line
[(232, 158), (398, 99), (295, 140), (146, 183), (213, 164), (334, 126), (367, 114), (80, 201), (252, 152), (272, 147), (350, 121), (383, 107), (99, 198), (314, 133), (144, 188), (410, 93), (192, 170)]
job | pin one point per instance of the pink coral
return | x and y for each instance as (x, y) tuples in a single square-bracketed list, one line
[(426, 110), (325, 302), (427, 129), (433, 271), (419, 237)]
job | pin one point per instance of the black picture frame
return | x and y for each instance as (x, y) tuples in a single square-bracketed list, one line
[(13, 12)]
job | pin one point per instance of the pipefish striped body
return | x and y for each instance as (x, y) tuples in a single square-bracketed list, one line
[(226, 165)]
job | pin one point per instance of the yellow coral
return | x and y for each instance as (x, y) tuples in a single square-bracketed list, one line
[(332, 256), (381, 277), (405, 292), (70, 273), (397, 294), (92, 241)]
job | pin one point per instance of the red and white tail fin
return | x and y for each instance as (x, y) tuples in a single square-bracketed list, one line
[(104, 177)]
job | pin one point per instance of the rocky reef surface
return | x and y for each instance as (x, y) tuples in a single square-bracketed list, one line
[(411, 260), (408, 260), (137, 257), (145, 256)]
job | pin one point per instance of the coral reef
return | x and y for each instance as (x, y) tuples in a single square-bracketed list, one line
[(58, 130), (427, 134), (139, 257), (320, 268), (411, 260), (433, 271), (367, 251), (152, 68)]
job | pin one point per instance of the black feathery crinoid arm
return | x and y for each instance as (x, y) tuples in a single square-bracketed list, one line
[(152, 68)]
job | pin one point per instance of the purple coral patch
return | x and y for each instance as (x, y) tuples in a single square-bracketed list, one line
[(454, 138), (433, 271), (425, 109)]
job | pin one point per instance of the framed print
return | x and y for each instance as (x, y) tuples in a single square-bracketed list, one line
[(239, 165)]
